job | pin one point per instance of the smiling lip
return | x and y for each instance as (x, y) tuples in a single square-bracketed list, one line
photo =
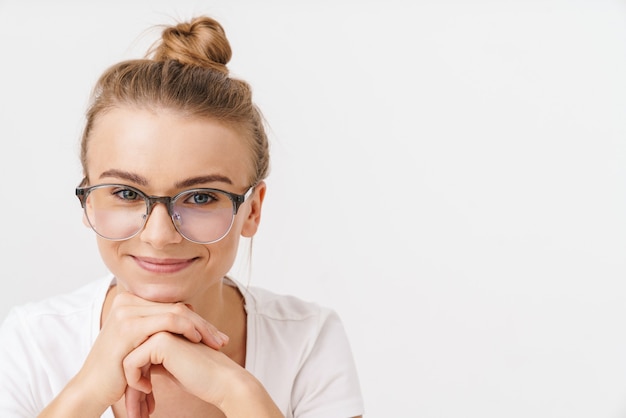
[(163, 265)]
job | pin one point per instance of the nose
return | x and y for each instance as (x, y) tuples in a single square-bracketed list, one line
[(159, 230)]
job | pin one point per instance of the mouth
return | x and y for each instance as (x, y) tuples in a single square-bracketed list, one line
[(163, 265)]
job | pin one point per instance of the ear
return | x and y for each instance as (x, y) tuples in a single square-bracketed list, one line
[(253, 218)]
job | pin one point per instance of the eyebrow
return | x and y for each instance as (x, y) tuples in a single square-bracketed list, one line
[(125, 175), (142, 181), (194, 181)]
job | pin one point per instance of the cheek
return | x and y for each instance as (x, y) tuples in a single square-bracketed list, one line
[(109, 251), (221, 255)]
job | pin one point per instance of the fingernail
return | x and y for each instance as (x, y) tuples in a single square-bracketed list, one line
[(223, 337)]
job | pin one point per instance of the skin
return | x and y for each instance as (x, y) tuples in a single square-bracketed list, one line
[(170, 321)]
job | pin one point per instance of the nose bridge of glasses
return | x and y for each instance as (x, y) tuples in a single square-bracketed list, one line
[(151, 201)]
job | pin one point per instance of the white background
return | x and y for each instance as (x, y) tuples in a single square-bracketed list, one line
[(448, 175)]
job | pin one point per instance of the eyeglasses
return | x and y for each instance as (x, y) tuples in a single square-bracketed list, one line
[(118, 212)]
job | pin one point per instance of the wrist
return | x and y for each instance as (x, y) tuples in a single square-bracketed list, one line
[(247, 397), (74, 401)]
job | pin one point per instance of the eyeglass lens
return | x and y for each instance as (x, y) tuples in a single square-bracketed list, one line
[(119, 213)]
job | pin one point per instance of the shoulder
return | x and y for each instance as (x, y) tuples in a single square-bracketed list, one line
[(299, 350), (43, 343), (58, 316), (281, 307), (66, 304), (275, 317), (286, 313)]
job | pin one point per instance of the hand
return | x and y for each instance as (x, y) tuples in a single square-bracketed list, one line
[(230, 387), (132, 321), (137, 403), (185, 362)]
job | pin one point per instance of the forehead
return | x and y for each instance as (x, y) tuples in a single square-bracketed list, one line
[(166, 147)]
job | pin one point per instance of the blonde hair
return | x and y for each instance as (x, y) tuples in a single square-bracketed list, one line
[(185, 71)]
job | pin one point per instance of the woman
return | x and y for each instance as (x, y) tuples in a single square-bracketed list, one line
[(174, 155)]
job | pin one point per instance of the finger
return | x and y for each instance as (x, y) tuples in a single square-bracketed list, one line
[(215, 338), (150, 402), (209, 334), (142, 357), (181, 321), (133, 400), (139, 404), (135, 379), (144, 408), (148, 399), (176, 318), (185, 362)]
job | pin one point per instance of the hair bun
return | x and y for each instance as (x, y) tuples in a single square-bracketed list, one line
[(200, 42)]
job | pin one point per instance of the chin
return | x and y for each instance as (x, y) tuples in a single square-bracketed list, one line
[(162, 293)]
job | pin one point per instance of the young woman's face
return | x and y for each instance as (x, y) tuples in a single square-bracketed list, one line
[(162, 153)]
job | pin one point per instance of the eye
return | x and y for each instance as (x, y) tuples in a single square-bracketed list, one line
[(201, 198), (126, 194)]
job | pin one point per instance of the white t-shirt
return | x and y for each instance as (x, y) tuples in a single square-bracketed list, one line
[(298, 350)]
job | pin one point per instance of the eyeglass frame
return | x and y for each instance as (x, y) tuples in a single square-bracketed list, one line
[(236, 199)]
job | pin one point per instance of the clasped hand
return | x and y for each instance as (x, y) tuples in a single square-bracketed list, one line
[(138, 335)]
